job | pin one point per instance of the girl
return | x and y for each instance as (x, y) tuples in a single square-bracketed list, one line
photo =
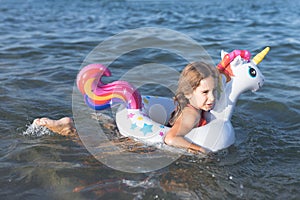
[(195, 95)]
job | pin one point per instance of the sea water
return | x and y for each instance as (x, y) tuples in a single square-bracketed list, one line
[(43, 45)]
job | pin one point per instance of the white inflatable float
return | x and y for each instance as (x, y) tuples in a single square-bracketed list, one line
[(145, 117)]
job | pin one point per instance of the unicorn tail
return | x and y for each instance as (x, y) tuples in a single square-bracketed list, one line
[(100, 96)]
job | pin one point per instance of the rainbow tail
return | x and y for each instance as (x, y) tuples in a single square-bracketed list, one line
[(100, 96)]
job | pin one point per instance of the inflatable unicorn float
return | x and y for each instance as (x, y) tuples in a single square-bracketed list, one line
[(144, 117)]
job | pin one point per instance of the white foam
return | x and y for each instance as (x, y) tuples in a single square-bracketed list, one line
[(36, 130)]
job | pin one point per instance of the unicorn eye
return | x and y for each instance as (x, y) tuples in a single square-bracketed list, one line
[(252, 72)]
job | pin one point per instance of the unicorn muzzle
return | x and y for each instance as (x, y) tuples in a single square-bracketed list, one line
[(259, 83)]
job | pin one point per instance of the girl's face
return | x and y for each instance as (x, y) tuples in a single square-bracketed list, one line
[(203, 97)]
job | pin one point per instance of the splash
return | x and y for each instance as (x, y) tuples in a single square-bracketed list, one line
[(36, 131)]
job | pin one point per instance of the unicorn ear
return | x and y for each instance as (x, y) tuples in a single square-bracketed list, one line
[(223, 53), (237, 61)]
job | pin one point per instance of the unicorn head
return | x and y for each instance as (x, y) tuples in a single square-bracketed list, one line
[(246, 75), (243, 73)]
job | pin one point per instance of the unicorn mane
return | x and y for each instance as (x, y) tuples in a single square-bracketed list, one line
[(225, 67)]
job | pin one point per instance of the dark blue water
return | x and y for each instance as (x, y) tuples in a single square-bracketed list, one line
[(42, 47)]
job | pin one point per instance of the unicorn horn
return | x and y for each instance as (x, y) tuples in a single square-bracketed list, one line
[(259, 57)]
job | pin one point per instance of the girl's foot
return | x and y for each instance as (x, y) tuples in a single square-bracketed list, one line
[(64, 126)]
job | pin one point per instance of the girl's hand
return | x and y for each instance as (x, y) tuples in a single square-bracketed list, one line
[(202, 150)]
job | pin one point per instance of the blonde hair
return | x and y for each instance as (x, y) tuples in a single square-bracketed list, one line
[(189, 80)]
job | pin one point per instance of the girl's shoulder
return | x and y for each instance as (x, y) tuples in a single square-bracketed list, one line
[(191, 112)]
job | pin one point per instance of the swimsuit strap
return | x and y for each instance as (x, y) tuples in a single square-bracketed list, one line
[(202, 121)]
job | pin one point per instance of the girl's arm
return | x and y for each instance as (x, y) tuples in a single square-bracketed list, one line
[(184, 124)]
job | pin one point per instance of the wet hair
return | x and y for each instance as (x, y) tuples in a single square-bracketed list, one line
[(189, 80)]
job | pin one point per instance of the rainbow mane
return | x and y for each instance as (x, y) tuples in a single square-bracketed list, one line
[(100, 96), (224, 65)]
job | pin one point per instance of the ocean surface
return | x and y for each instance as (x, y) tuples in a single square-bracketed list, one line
[(43, 45)]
